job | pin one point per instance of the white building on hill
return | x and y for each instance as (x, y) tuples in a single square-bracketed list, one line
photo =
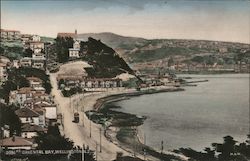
[(75, 51)]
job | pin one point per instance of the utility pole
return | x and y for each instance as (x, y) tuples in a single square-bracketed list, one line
[(83, 151), (162, 147), (90, 126), (96, 151), (100, 140)]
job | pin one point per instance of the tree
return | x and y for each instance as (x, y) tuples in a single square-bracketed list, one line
[(8, 117), (225, 149), (28, 52), (53, 140), (210, 154), (1, 50), (62, 48)]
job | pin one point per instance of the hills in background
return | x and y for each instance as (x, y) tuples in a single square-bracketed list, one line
[(112, 40), (150, 53)]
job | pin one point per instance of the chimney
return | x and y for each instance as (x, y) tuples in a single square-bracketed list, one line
[(75, 31)]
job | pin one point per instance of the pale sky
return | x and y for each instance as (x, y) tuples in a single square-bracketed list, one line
[(224, 20)]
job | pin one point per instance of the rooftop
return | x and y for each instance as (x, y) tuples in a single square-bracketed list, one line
[(3, 30), (64, 34), (15, 141), (26, 112), (32, 128), (34, 79)]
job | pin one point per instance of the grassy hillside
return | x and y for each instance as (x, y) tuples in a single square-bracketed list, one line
[(114, 40)]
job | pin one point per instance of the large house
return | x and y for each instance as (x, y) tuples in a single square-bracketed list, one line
[(30, 116), (10, 35), (64, 35), (75, 51), (36, 45), (26, 62), (37, 61), (50, 109), (31, 131), (35, 82), (21, 95)]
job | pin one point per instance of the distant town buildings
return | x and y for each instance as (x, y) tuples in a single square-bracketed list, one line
[(89, 84), (10, 35)]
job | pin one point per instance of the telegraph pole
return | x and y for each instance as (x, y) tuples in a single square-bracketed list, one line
[(162, 147), (90, 126), (83, 151), (96, 150), (100, 140)]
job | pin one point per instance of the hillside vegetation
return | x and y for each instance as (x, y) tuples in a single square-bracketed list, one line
[(153, 54)]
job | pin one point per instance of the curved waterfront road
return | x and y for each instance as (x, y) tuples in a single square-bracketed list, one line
[(77, 132)]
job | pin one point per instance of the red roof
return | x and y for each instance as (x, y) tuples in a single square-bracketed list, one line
[(3, 30), (15, 142), (26, 112), (32, 128), (73, 35)]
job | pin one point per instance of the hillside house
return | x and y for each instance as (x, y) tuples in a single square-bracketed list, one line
[(35, 82), (35, 38), (75, 51), (25, 38), (31, 131), (50, 109), (37, 63), (64, 35), (21, 95), (10, 35), (36, 45), (26, 62), (30, 116)]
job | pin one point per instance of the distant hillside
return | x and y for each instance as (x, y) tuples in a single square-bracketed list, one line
[(150, 55), (114, 40)]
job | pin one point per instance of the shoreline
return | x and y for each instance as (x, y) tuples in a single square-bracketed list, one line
[(112, 131)]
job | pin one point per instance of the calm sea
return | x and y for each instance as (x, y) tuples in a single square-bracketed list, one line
[(196, 117)]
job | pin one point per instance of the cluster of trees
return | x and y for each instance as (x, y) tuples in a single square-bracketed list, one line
[(52, 140), (18, 78), (105, 61), (8, 117), (226, 151), (62, 48), (15, 80), (29, 72), (28, 52)]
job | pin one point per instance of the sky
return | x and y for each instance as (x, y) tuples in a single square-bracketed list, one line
[(222, 20)]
